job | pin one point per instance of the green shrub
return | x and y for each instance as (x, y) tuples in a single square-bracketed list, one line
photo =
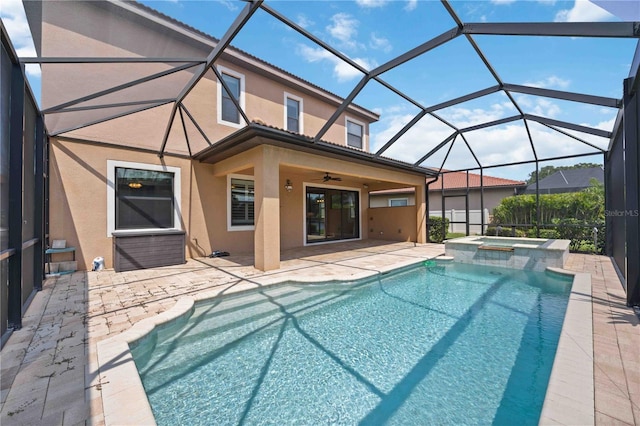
[(580, 232), (586, 205), (544, 233), (437, 228), (549, 233), (506, 231)]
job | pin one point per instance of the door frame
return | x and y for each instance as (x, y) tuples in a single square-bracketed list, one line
[(306, 185)]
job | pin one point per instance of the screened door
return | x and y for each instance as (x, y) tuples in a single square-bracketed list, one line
[(332, 214)]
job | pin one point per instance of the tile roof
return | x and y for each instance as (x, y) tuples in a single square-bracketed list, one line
[(456, 180), (569, 180)]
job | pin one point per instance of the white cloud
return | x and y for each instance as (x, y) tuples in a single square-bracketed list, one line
[(229, 4), (583, 11), (507, 143), (539, 106), (411, 5), (344, 28), (341, 70), (626, 10), (466, 117), (547, 2), (304, 21), (550, 82), (371, 3), (380, 43), (314, 55), (15, 21)]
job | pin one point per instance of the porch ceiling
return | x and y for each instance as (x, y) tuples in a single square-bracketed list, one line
[(131, 80)]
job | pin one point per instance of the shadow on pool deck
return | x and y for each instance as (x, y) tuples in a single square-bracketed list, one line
[(49, 366)]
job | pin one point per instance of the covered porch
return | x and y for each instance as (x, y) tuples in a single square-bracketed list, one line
[(283, 194)]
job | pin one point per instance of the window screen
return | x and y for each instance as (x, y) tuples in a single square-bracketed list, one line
[(144, 199)]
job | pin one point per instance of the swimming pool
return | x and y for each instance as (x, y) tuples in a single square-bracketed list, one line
[(434, 344)]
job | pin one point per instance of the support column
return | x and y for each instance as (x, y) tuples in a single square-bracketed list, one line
[(267, 210), (421, 213)]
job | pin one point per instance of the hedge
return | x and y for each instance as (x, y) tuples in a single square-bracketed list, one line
[(437, 228)]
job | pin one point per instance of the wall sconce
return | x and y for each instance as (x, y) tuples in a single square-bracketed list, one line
[(288, 186), (135, 185)]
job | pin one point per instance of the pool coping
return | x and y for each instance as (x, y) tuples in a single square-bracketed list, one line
[(569, 397)]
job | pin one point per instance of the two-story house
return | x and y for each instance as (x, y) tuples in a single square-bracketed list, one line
[(156, 156)]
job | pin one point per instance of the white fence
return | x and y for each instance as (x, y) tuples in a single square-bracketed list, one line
[(460, 216)]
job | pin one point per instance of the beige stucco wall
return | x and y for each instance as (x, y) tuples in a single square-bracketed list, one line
[(97, 33), (78, 197), (392, 223)]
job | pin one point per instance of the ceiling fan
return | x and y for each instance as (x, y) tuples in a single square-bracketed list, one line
[(327, 177)]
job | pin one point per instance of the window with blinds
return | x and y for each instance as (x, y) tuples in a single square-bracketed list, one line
[(242, 202)]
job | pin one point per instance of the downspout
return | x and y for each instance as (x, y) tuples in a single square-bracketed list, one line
[(426, 196)]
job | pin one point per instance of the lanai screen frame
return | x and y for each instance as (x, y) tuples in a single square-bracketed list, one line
[(461, 29)]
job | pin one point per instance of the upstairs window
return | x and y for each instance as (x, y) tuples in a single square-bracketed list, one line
[(241, 203), (293, 113), (227, 112), (354, 134)]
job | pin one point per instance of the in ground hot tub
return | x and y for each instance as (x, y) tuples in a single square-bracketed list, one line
[(518, 253)]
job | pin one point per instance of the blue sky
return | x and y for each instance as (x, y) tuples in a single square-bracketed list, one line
[(371, 32)]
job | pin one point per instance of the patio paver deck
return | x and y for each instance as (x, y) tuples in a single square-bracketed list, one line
[(49, 367)]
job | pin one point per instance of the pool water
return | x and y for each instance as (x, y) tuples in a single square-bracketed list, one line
[(434, 344)]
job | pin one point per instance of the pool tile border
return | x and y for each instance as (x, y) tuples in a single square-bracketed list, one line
[(569, 398)]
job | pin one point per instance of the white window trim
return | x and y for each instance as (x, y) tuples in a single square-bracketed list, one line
[(231, 228), (304, 211), (346, 133), (225, 70), (398, 199), (300, 111), (111, 194)]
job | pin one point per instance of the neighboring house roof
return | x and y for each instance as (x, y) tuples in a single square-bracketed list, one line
[(571, 180), (458, 180)]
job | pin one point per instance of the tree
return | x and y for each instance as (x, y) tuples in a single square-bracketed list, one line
[(549, 170)]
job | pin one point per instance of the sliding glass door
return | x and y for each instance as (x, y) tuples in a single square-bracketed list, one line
[(332, 214)]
